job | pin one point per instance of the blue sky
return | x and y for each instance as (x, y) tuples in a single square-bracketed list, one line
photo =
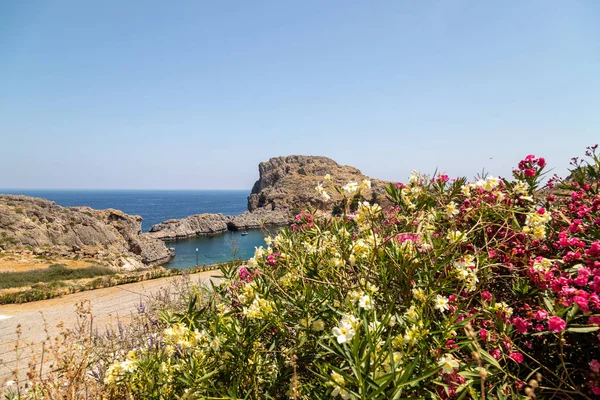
[(194, 94)]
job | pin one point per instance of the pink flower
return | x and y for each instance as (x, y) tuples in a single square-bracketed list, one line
[(521, 325), (495, 353), (530, 172), (483, 334), (541, 162), (595, 365), (556, 324), (486, 296), (595, 389), (245, 274), (518, 357), (540, 315)]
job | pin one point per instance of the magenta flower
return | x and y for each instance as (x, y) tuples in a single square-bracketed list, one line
[(518, 357), (556, 324), (595, 365), (486, 296), (540, 315)]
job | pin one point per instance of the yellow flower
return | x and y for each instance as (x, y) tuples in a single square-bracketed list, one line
[(318, 325)]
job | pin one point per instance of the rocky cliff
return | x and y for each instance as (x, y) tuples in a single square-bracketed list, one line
[(111, 236), (288, 183)]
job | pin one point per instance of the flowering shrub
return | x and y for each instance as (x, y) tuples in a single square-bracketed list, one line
[(487, 289)]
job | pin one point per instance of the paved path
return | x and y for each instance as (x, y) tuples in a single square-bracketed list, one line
[(107, 305)]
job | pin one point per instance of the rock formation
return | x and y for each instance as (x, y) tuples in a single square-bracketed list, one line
[(288, 183), (111, 236), (210, 224)]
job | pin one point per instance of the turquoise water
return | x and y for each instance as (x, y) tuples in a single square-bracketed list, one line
[(213, 249), (159, 205)]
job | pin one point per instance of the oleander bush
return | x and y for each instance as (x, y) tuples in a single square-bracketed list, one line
[(487, 289)]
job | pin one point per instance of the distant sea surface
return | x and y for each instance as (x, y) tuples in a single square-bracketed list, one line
[(155, 206)]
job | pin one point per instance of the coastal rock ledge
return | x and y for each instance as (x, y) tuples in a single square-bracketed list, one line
[(49, 230), (211, 224)]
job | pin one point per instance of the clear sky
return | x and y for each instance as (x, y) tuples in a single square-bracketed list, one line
[(194, 94)]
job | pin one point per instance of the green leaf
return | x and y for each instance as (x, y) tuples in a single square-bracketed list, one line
[(583, 329)]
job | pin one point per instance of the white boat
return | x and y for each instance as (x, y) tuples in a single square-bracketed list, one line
[(244, 233)]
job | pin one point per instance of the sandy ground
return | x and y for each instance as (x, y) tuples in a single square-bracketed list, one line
[(108, 305), (21, 263)]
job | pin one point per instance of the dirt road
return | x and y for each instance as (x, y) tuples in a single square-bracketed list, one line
[(107, 305)]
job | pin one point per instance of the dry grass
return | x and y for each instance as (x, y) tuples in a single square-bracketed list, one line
[(13, 262)]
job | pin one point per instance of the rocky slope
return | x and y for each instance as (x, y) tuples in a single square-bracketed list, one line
[(288, 183), (111, 236)]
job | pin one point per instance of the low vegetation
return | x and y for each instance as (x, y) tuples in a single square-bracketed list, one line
[(28, 291), (54, 273), (484, 290)]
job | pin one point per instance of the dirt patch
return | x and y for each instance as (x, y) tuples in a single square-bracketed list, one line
[(28, 262)]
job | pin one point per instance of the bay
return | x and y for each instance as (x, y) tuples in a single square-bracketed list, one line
[(155, 206)]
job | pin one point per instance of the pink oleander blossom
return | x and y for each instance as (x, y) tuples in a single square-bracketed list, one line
[(556, 324), (516, 356)]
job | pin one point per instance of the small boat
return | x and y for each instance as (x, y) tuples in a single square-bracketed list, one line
[(244, 233)]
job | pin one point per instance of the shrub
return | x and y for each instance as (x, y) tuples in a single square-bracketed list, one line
[(482, 290)]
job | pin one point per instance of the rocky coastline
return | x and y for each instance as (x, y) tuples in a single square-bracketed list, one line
[(286, 185), (212, 224), (45, 229)]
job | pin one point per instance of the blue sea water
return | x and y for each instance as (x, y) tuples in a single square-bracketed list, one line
[(155, 206)]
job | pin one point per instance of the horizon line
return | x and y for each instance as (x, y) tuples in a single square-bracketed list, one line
[(131, 190)]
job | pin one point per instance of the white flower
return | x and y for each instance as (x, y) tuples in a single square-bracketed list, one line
[(451, 209), (338, 384), (9, 383), (448, 364), (344, 332), (456, 236), (351, 187), (414, 177), (441, 303), (411, 312), (365, 302), (324, 195), (491, 183), (351, 319)]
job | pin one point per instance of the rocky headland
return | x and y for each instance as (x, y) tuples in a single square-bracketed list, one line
[(45, 229), (286, 185)]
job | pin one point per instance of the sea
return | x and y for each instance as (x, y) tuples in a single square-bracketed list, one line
[(155, 206)]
